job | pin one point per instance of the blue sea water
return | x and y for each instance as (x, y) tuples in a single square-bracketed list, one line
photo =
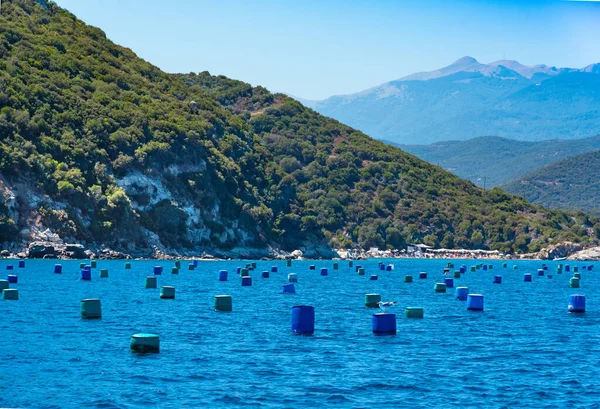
[(524, 350)]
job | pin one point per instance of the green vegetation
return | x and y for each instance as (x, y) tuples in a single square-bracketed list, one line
[(496, 160), (572, 183), (122, 149)]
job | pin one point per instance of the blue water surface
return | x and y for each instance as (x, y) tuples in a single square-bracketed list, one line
[(524, 350)]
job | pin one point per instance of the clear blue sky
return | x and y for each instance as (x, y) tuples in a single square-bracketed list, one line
[(318, 48)]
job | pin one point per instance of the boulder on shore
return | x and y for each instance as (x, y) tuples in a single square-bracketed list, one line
[(559, 250), (39, 249)]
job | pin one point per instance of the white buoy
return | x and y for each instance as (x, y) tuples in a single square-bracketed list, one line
[(167, 292), (91, 308)]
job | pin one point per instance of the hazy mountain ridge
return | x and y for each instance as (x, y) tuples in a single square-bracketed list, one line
[(468, 99), (498, 160)]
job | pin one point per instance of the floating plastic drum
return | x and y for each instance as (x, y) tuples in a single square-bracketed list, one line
[(195, 263), (357, 268), (475, 302), (265, 274), (473, 269), (289, 289), (382, 267), (21, 263), (86, 275), (372, 300), (274, 269), (104, 273), (567, 268), (440, 287), (93, 264), (4, 285), (574, 282), (577, 275), (485, 267), (145, 343), (408, 279), (324, 272), (238, 271), (389, 267), (449, 282), (312, 267), (174, 270), (545, 267), (177, 263), (223, 303), (191, 266), (374, 277), (462, 293), (446, 271), (504, 265), (151, 282), (57, 269), (303, 320), (527, 277), (81, 265), (413, 312), (497, 280), (10, 294), (575, 268), (540, 273), (336, 266), (12, 279), (457, 274), (422, 275), (450, 265), (350, 263), (361, 271), (289, 263), (246, 281), (244, 272), (577, 303), (590, 268), (549, 276), (490, 267), (91, 308), (384, 324), (253, 265), (462, 269), (158, 270), (127, 266), (223, 275), (559, 271), (292, 278), (515, 267), (167, 292)]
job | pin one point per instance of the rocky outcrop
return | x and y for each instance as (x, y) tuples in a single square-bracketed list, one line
[(39, 249), (559, 250), (592, 253)]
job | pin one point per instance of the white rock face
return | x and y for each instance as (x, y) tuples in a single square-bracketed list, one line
[(592, 253), (137, 183)]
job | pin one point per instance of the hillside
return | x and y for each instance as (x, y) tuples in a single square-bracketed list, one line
[(496, 161), (572, 183), (468, 99), (102, 148)]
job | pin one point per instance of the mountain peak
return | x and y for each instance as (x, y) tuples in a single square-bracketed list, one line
[(466, 60)]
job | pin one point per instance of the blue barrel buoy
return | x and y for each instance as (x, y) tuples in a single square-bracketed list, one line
[(446, 271), (382, 267), (461, 293), (246, 281), (473, 269), (577, 303), (158, 270), (127, 266), (567, 268), (463, 269), (238, 270), (223, 303), (336, 266), (289, 289), (527, 277), (490, 267), (244, 272), (178, 263), (357, 268), (389, 267), (81, 265), (574, 282), (86, 275), (422, 275), (324, 272), (374, 277), (191, 266), (485, 267), (515, 267), (312, 267), (457, 274), (21, 263), (12, 279), (408, 279), (449, 282), (575, 269), (504, 265), (253, 264), (195, 263), (350, 263), (384, 324), (545, 267), (540, 272), (223, 275), (497, 280), (57, 269), (288, 262), (303, 320), (274, 269), (590, 267), (174, 270), (145, 343), (361, 271), (475, 302), (265, 274)]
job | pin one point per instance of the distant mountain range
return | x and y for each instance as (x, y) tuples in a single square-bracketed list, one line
[(495, 161), (468, 99), (572, 183)]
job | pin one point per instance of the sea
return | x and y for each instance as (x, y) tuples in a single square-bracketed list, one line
[(524, 350)]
